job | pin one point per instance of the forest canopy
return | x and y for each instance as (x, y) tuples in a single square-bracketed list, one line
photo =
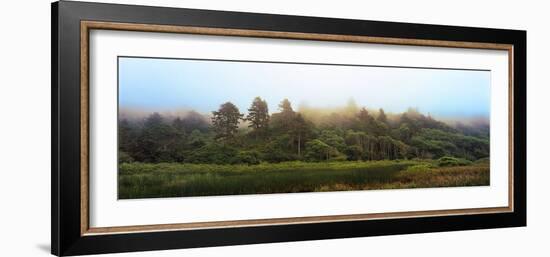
[(351, 133)]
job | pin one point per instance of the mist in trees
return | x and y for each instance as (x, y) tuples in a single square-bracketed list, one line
[(352, 133)]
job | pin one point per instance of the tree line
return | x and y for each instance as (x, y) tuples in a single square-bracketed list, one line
[(231, 137)]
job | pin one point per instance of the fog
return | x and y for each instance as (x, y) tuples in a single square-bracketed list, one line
[(316, 115)]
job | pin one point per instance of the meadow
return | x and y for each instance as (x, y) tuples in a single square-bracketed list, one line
[(148, 180)]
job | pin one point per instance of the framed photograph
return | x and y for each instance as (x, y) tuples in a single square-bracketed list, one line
[(178, 128)]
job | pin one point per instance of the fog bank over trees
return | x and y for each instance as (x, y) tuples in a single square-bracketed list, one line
[(229, 135), (314, 114)]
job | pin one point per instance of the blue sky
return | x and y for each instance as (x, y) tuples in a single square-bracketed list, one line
[(177, 84)]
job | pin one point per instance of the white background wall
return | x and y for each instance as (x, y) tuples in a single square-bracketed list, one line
[(25, 127)]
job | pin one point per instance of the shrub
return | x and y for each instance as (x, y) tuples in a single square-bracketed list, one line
[(124, 157), (354, 152), (276, 150), (447, 161), (249, 157), (339, 157), (483, 160), (215, 153), (317, 150), (420, 167)]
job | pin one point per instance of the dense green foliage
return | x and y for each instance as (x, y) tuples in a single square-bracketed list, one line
[(147, 180), (228, 136)]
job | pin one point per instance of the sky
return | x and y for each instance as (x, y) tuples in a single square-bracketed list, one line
[(181, 84)]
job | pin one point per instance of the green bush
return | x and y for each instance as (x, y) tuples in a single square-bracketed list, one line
[(317, 150), (354, 152), (276, 150), (124, 157), (483, 160), (447, 161), (215, 153), (420, 167), (249, 157)]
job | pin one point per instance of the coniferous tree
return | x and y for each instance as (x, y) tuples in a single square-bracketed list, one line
[(364, 119), (226, 121), (286, 107), (364, 115), (155, 142), (258, 116), (283, 120), (179, 138), (299, 130), (382, 116), (179, 125)]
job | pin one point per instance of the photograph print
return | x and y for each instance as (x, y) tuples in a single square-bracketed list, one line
[(204, 127)]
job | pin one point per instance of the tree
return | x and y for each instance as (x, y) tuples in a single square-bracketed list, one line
[(226, 121), (126, 136), (364, 118), (258, 116), (389, 148), (377, 128), (180, 137), (194, 120), (404, 133), (276, 150), (353, 152), (285, 107), (299, 130), (196, 139), (156, 140), (330, 137), (179, 125), (367, 123), (318, 150), (382, 116), (282, 121), (367, 143), (126, 141)]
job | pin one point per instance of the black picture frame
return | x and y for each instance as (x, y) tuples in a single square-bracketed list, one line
[(66, 128)]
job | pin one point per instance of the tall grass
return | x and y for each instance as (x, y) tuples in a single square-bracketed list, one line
[(143, 180)]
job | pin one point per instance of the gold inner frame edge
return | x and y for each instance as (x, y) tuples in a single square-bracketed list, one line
[(86, 26)]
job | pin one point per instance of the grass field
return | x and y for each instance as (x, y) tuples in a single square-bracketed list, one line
[(142, 180)]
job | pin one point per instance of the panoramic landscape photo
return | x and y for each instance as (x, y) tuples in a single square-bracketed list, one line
[(215, 127)]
